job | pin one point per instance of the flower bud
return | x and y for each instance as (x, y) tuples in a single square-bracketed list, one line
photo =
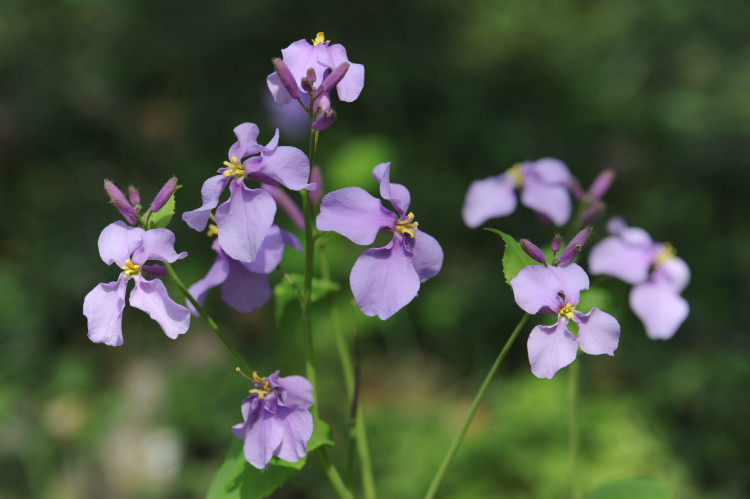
[(153, 271), (600, 186), (316, 176), (591, 213), (286, 77), (307, 81), (133, 195), (324, 119), (574, 247), (123, 206), (333, 79), (533, 251), (556, 243), (163, 195)]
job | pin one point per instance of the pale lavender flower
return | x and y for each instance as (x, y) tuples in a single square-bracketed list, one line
[(383, 280), (658, 276), (545, 188), (244, 286), (556, 290), (130, 248), (244, 219), (276, 419)]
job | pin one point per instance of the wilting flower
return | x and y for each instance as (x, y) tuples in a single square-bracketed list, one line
[(383, 280), (545, 188), (130, 248), (244, 286), (325, 60), (276, 419), (556, 290), (244, 219), (657, 274)]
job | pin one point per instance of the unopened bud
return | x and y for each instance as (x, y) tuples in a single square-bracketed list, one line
[(133, 196), (153, 271), (286, 77), (574, 247), (591, 213), (316, 177), (307, 81), (119, 201), (600, 186), (533, 251), (163, 195), (576, 189), (333, 79), (324, 119), (556, 243)]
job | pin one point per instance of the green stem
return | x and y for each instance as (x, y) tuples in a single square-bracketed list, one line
[(207, 318), (368, 480), (573, 376), (333, 475), (472, 410)]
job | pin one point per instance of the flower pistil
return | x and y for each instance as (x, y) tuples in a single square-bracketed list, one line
[(319, 39), (234, 168), (515, 173), (567, 311), (130, 269), (667, 253), (262, 386), (407, 225)]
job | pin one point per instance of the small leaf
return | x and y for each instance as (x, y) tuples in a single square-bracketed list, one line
[(514, 257), (636, 488), (161, 218), (283, 292)]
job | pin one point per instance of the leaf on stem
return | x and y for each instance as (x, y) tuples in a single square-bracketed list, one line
[(514, 257), (283, 292)]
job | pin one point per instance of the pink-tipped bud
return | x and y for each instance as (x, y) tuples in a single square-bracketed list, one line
[(316, 177), (123, 206), (287, 204), (574, 247), (133, 196), (556, 243), (324, 119), (286, 77), (333, 79), (307, 81), (533, 251), (153, 271), (163, 195), (600, 186), (576, 189), (592, 213)]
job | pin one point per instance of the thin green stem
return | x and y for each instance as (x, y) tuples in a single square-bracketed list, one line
[(333, 475), (368, 480), (573, 380), (472, 410), (291, 282), (207, 318)]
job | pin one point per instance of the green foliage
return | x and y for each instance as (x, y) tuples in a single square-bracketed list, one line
[(514, 257), (283, 292), (161, 218), (638, 488)]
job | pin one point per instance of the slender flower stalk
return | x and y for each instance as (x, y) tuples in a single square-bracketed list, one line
[(472, 410), (573, 381)]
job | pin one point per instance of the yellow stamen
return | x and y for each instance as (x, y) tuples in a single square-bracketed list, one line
[(407, 226), (213, 230), (235, 168), (667, 253), (320, 38), (131, 268), (567, 311), (515, 173), (262, 386)]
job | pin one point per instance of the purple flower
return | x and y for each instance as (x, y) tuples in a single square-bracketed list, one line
[(545, 188), (244, 219), (244, 286), (325, 60), (383, 280), (130, 248), (657, 274), (556, 290), (276, 419)]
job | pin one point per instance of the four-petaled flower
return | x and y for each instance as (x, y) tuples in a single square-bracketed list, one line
[(244, 286), (545, 188), (244, 219), (383, 280), (130, 248), (556, 290), (276, 419), (658, 276)]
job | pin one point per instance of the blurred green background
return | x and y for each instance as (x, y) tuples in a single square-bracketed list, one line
[(137, 91)]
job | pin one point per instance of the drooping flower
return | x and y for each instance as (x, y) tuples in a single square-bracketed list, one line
[(130, 248), (245, 218), (545, 188), (658, 276), (383, 280), (276, 419), (325, 60), (244, 286), (556, 290)]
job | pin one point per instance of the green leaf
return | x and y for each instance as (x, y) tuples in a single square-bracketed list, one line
[(514, 258), (238, 479), (283, 292), (637, 488), (161, 218)]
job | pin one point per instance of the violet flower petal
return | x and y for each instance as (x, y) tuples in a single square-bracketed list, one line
[(659, 307), (287, 166), (354, 214), (384, 280), (286, 203), (675, 271), (118, 241), (247, 141), (489, 198), (263, 437), (550, 349), (158, 244), (243, 290), (296, 392), (271, 251), (103, 307), (550, 200), (573, 279), (598, 332), (427, 255), (536, 289), (297, 427), (350, 86), (396, 194), (216, 275), (210, 192), (152, 298), (613, 256), (244, 220), (551, 171)]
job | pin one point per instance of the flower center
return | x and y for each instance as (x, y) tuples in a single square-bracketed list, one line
[(515, 173), (407, 225), (667, 253), (213, 230), (319, 38), (262, 386), (567, 311), (130, 269), (235, 168)]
